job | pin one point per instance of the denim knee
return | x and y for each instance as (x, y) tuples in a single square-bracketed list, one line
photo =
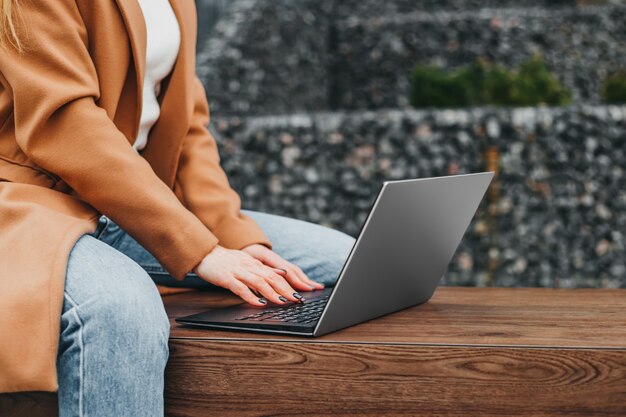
[(117, 301), (134, 320), (114, 333)]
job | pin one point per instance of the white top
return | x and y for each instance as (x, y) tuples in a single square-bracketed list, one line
[(162, 45)]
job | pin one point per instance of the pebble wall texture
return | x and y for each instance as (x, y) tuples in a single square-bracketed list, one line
[(375, 55), (556, 214), (267, 57), (277, 56), (555, 217), (360, 8)]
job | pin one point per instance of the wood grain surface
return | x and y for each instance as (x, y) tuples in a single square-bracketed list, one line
[(220, 378), (467, 352), (462, 316)]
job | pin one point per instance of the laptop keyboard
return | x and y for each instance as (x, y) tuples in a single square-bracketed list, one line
[(303, 313)]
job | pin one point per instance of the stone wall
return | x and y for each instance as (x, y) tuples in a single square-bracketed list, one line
[(367, 8), (280, 56), (556, 216), (267, 57), (375, 55)]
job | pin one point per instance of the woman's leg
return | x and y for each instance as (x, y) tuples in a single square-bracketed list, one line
[(320, 251), (110, 233), (114, 333)]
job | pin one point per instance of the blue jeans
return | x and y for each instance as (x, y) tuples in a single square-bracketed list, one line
[(114, 330)]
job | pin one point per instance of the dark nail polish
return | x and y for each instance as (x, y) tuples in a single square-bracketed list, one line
[(262, 301), (283, 299), (297, 295)]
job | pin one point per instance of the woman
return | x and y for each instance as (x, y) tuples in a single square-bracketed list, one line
[(109, 181)]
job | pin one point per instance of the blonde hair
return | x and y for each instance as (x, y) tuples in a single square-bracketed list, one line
[(8, 29)]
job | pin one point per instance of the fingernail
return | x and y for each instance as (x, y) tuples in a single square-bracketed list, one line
[(283, 299), (262, 301), (284, 270), (297, 295)]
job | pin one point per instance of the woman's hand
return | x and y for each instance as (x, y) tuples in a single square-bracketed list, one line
[(293, 274), (242, 274)]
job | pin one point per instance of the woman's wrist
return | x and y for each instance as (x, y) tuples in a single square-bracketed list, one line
[(196, 268)]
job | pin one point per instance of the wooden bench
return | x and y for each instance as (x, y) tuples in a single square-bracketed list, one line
[(468, 352)]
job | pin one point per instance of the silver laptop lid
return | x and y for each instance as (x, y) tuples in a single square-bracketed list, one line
[(404, 247)]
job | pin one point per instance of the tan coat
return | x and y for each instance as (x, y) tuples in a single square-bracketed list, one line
[(69, 111)]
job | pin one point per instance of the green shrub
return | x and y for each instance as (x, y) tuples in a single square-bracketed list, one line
[(614, 88), (484, 84), (499, 87), (431, 87), (535, 85)]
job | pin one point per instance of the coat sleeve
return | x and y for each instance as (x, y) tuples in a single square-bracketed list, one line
[(205, 187), (61, 128)]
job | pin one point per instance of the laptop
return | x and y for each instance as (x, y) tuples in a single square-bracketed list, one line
[(403, 250)]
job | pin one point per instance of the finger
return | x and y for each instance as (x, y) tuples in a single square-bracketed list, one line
[(281, 285), (293, 274), (245, 293), (268, 291), (275, 262), (294, 279), (284, 269), (280, 271), (306, 279), (258, 283)]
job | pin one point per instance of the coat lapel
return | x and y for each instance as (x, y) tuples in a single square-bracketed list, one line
[(165, 137), (136, 28)]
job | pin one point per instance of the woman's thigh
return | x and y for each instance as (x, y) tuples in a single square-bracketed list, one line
[(110, 295), (110, 233), (320, 251), (114, 333)]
